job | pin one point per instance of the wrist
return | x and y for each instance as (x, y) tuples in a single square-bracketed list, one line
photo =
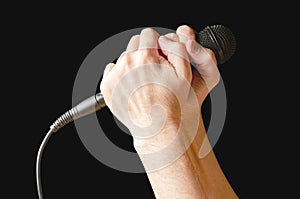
[(157, 142), (174, 132)]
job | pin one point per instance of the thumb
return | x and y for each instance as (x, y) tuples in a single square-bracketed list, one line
[(205, 63)]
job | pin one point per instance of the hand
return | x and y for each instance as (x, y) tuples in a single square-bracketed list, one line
[(148, 86), (149, 89)]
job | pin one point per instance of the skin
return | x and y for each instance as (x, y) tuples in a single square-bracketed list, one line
[(188, 176)]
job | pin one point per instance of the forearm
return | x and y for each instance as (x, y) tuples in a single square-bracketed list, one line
[(211, 177), (177, 180), (189, 176)]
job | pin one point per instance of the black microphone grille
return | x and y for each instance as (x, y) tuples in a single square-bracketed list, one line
[(220, 40)]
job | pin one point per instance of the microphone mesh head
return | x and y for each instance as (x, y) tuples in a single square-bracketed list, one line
[(220, 40)]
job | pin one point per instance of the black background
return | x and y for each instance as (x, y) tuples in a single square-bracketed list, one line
[(46, 46)]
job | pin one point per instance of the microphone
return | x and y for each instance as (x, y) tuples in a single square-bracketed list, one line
[(218, 38)]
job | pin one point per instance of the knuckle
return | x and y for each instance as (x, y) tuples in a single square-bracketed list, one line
[(124, 59), (135, 37), (149, 30), (186, 31), (173, 36), (162, 40), (183, 28)]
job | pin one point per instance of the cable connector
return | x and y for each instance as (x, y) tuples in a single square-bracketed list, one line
[(86, 107)]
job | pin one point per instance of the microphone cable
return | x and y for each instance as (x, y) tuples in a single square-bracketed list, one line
[(88, 106), (39, 160)]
